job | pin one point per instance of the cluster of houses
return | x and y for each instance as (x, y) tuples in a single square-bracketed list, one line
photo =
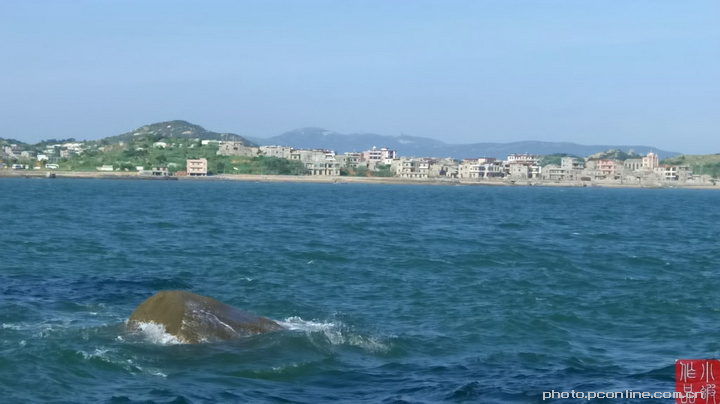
[(51, 153), (317, 162), (321, 162), (517, 167), (526, 167), (48, 157)]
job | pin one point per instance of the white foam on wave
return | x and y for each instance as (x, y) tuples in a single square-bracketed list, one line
[(111, 356), (298, 324), (335, 332), (158, 373), (98, 353), (118, 358), (38, 330), (156, 334), (47, 331)]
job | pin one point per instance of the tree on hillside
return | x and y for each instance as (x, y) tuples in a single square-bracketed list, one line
[(160, 159), (556, 159)]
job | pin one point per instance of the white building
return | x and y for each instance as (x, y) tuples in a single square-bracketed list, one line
[(376, 157), (481, 168), (412, 167), (524, 158)]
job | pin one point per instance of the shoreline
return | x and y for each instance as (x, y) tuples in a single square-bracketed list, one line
[(349, 180)]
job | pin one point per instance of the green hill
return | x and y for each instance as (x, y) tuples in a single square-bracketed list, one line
[(8, 142), (172, 130), (699, 164), (181, 140)]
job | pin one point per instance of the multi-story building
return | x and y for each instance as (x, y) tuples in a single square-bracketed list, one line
[(633, 164), (282, 152), (650, 161), (522, 166), (197, 167), (524, 158), (519, 171), (350, 159), (328, 167), (673, 173), (308, 155), (317, 161), (571, 163), (555, 172), (443, 168), (523, 170), (569, 169), (606, 167), (412, 167), (377, 157), (481, 168), (237, 149)]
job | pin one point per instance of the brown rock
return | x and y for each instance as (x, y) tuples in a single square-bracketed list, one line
[(193, 318)]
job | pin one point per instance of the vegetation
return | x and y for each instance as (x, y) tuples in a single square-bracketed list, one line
[(8, 142), (43, 143), (383, 171), (170, 144), (173, 131), (143, 154), (708, 164), (556, 159), (362, 171), (255, 165), (140, 153), (165, 144), (615, 154)]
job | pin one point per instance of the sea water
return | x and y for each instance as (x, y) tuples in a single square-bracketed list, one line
[(397, 293)]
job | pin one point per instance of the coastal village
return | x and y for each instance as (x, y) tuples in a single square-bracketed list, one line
[(521, 168)]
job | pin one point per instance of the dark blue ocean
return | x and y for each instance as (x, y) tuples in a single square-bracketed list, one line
[(391, 293)]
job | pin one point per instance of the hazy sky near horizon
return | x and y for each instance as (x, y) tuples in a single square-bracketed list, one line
[(591, 72)]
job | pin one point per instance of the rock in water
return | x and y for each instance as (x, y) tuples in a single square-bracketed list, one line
[(193, 318)]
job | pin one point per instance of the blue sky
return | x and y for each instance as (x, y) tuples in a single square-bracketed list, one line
[(584, 71)]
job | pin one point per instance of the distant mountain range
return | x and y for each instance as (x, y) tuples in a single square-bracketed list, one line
[(310, 138), (407, 146)]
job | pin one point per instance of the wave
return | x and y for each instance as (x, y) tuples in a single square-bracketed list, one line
[(154, 334), (336, 333), (333, 333), (118, 359)]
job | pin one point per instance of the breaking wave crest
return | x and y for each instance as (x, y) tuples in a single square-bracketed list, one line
[(155, 334), (334, 333)]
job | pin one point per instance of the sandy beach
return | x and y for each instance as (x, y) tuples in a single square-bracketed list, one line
[(348, 180)]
